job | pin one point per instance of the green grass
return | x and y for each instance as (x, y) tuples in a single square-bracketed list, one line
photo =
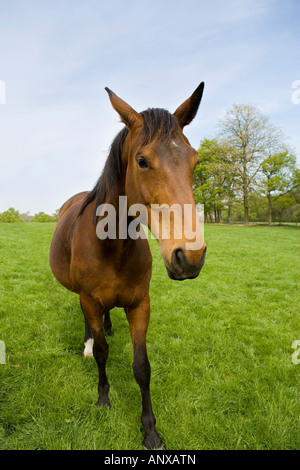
[(219, 347)]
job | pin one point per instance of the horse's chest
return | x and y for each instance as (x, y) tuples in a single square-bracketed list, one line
[(113, 293), (119, 289), (112, 280)]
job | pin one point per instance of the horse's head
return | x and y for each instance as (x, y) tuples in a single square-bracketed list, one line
[(159, 164)]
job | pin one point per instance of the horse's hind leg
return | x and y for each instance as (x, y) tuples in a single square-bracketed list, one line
[(94, 317), (107, 324)]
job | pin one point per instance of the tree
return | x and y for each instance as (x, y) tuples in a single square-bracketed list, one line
[(281, 208), (257, 207), (55, 215), (278, 177), (11, 216), (42, 217), (213, 182), (26, 217), (295, 213), (251, 137)]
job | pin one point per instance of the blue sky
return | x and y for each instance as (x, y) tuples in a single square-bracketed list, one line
[(56, 58)]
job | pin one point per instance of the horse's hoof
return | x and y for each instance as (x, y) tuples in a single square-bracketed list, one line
[(103, 401), (161, 448), (153, 444), (88, 355)]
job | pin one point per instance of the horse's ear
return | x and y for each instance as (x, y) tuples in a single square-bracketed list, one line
[(186, 112), (127, 114)]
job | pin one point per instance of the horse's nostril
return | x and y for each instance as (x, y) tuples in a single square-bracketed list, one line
[(179, 261), (180, 258), (181, 266)]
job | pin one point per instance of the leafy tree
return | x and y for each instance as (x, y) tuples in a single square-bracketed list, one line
[(214, 175), (42, 217), (26, 217), (295, 213), (257, 207), (281, 208), (251, 137), (55, 215), (11, 216), (278, 179)]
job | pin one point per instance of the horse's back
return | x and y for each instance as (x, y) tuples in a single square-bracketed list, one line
[(60, 250), (74, 201)]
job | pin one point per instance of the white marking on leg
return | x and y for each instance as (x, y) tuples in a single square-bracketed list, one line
[(88, 348)]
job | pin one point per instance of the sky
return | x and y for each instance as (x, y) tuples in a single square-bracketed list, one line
[(56, 58)]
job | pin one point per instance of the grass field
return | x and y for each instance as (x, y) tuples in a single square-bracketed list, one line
[(220, 349)]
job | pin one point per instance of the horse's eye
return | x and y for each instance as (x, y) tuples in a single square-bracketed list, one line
[(142, 162)]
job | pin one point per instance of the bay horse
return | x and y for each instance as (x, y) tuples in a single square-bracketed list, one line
[(150, 162)]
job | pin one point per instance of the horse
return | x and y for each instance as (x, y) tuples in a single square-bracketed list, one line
[(150, 162)]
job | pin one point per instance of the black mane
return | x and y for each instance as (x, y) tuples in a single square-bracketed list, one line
[(155, 121)]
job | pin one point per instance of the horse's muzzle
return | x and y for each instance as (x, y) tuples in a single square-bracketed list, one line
[(181, 268)]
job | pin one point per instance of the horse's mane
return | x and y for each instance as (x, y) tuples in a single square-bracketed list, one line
[(156, 121)]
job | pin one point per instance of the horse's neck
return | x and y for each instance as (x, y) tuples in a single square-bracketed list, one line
[(116, 197), (118, 200)]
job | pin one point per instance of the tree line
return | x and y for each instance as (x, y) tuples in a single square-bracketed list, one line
[(12, 215), (247, 172)]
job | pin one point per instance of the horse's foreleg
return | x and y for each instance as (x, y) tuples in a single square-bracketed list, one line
[(138, 319), (94, 318), (88, 337), (88, 340)]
